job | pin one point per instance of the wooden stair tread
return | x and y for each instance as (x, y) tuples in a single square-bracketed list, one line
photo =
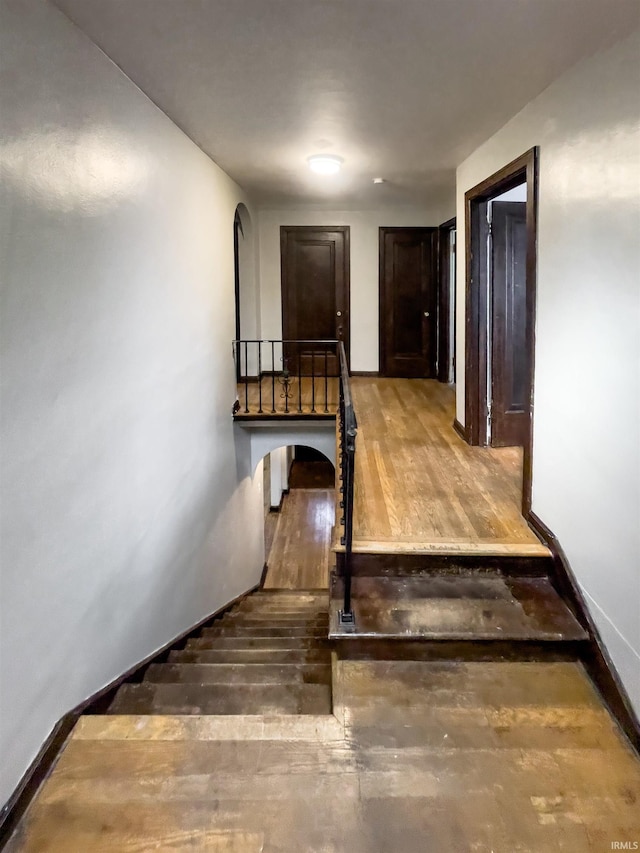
[(234, 673), (227, 630), (150, 698), (457, 608), (245, 642), (268, 656)]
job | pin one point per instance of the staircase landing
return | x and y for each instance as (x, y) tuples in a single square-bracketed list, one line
[(419, 488)]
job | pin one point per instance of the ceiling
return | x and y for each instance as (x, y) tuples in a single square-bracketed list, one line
[(402, 89)]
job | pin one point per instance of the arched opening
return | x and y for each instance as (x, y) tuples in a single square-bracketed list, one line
[(247, 305), (299, 507)]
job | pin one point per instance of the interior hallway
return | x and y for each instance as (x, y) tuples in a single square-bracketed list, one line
[(298, 537), (420, 488)]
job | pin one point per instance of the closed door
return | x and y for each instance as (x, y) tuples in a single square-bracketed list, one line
[(408, 299), (315, 292), (509, 363)]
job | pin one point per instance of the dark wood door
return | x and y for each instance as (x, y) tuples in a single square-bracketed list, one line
[(315, 291), (509, 361), (408, 302)]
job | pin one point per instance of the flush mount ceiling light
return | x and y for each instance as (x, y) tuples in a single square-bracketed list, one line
[(325, 164), (378, 180)]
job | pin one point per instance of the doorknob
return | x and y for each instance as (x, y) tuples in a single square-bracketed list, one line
[(338, 313), (426, 313)]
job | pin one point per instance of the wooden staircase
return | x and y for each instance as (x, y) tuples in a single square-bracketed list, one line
[(457, 610), (268, 655)]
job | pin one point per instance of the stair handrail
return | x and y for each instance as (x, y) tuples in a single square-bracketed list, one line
[(348, 426)]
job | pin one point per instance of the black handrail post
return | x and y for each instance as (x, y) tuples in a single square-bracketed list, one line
[(259, 377), (299, 378), (273, 377), (246, 379), (326, 379), (313, 380), (348, 433)]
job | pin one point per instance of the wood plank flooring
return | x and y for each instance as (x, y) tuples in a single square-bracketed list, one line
[(420, 488), (420, 758), (300, 552)]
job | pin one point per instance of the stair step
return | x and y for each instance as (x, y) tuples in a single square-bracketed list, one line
[(479, 608), (150, 698), (234, 673), (303, 624), (284, 616), (230, 630), (261, 656), (294, 643)]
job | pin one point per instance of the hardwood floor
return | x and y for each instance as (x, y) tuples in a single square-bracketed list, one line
[(420, 488), (443, 757), (300, 552)]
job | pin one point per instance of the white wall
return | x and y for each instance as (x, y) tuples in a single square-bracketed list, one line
[(128, 507), (364, 227), (586, 474)]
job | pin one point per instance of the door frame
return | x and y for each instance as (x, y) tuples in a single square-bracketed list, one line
[(285, 230), (524, 169), (444, 297), (382, 342)]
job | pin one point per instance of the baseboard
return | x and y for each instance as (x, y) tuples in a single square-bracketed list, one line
[(595, 658), (462, 431), (375, 374), (49, 752), (263, 576), (285, 492)]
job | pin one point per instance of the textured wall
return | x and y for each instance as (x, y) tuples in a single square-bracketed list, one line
[(128, 507), (586, 477)]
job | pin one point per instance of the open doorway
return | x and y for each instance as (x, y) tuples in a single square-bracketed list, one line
[(447, 302), (299, 488), (500, 310)]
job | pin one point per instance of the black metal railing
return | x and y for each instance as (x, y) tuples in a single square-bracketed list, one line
[(348, 430), (287, 377)]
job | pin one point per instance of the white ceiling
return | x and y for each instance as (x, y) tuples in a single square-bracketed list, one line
[(403, 89)]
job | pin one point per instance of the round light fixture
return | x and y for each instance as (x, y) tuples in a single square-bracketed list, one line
[(378, 181), (325, 164)]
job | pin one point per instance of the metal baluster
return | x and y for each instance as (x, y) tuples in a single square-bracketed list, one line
[(273, 377), (246, 380), (259, 377), (313, 381), (299, 377), (326, 380)]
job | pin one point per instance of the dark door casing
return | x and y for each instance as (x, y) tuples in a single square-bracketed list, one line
[(315, 289), (509, 362), (408, 302)]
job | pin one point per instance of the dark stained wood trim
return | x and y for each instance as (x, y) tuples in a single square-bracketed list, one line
[(523, 168), (279, 507), (263, 576), (285, 230), (51, 749), (36, 773), (405, 565), (372, 648), (460, 430), (444, 289), (372, 374), (594, 654)]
